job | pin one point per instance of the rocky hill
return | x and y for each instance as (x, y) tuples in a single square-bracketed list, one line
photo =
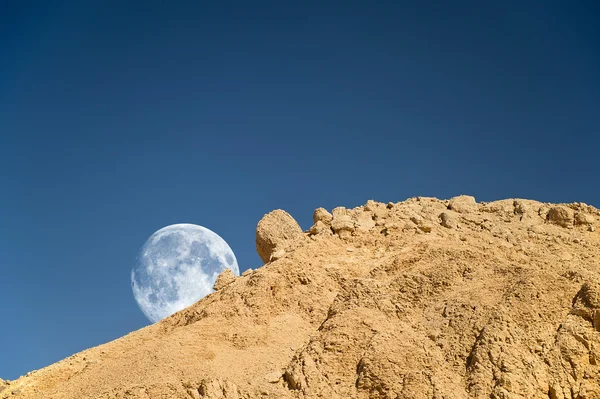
[(424, 298)]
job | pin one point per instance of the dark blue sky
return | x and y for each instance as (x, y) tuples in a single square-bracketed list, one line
[(118, 119)]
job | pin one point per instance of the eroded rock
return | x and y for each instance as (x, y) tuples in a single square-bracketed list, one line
[(223, 279), (217, 388), (463, 204), (323, 216), (561, 215), (276, 230), (448, 220), (342, 224), (364, 221), (319, 228), (587, 303), (247, 272), (584, 219), (273, 377)]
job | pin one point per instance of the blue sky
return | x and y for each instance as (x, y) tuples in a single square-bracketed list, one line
[(119, 119)]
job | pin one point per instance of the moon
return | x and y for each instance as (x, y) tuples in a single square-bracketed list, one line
[(178, 266)]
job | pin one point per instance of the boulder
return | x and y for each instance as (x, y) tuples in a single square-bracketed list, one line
[(273, 377), (463, 204), (276, 230), (583, 219), (321, 215), (448, 221), (342, 225)]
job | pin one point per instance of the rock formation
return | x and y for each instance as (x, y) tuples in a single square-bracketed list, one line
[(223, 279), (418, 299)]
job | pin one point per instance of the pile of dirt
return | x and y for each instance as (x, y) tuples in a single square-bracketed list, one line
[(418, 299)]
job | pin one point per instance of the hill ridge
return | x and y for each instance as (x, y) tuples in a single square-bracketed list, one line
[(423, 298)]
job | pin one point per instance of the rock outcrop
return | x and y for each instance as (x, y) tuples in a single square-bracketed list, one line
[(424, 298)]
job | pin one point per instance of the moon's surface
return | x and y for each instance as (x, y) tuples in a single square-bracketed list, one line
[(176, 267)]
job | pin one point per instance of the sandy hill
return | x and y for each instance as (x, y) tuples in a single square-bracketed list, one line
[(418, 299)]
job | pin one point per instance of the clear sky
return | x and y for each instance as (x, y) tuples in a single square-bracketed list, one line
[(119, 118)]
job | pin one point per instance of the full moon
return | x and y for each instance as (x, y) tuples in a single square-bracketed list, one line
[(176, 267)]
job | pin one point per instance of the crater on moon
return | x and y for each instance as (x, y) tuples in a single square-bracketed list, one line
[(176, 267)]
